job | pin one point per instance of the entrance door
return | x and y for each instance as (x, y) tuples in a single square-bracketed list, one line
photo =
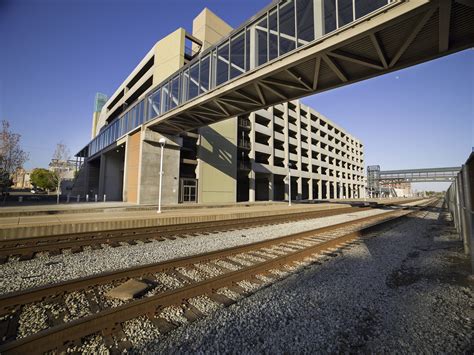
[(188, 190)]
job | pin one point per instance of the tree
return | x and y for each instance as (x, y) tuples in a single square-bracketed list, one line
[(12, 156), (43, 178), (60, 166)]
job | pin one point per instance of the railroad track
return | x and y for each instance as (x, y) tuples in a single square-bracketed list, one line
[(172, 287), (28, 248)]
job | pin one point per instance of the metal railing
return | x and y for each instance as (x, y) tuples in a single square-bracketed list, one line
[(460, 203)]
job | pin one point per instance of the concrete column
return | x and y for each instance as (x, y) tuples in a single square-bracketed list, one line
[(310, 189), (320, 189), (328, 190), (299, 182), (103, 163), (346, 190), (334, 184), (252, 185), (271, 187)]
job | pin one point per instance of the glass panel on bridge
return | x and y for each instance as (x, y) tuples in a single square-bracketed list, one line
[(193, 81), (222, 70), (287, 26), (204, 74), (345, 12), (174, 94), (363, 7), (329, 16), (261, 45), (305, 21), (273, 35), (237, 55)]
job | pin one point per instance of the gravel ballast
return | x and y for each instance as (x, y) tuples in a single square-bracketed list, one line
[(19, 275), (406, 291)]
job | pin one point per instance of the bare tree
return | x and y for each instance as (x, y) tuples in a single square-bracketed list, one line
[(12, 156), (60, 166)]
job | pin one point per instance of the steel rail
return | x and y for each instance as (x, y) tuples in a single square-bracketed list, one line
[(12, 300), (30, 246), (107, 320)]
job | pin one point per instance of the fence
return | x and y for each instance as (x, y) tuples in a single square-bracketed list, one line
[(460, 201)]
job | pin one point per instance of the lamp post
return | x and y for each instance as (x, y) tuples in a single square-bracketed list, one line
[(162, 142)]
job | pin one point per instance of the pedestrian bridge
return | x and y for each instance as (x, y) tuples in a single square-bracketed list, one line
[(295, 48), (421, 175)]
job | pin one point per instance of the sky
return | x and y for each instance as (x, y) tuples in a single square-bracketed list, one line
[(55, 55)]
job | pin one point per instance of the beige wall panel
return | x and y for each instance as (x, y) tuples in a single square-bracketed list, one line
[(209, 28), (169, 55), (133, 160), (217, 156)]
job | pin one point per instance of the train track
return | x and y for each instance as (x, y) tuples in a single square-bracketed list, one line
[(175, 283), (28, 248)]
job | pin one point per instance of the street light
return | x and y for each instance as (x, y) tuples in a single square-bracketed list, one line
[(162, 143)]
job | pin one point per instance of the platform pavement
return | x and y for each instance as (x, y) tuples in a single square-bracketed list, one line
[(46, 225), (110, 218)]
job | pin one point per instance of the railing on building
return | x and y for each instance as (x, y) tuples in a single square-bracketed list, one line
[(244, 123), (244, 144), (244, 165), (460, 203), (279, 29)]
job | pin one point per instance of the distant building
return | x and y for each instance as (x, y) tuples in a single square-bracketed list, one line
[(21, 179), (244, 158)]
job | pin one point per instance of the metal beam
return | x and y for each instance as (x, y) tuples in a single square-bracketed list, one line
[(379, 50), (275, 91), (444, 23), (335, 68), (317, 67), (412, 36), (299, 79), (355, 59), (285, 83)]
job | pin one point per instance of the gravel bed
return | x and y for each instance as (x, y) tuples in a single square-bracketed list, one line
[(406, 291), (17, 275)]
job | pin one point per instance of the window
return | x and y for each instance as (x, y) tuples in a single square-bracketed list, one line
[(287, 26), (174, 98), (193, 81), (222, 69), (345, 12), (204, 74), (261, 45), (305, 21), (165, 92), (273, 35), (237, 55), (329, 16), (362, 8)]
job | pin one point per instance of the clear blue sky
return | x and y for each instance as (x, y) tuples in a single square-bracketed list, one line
[(56, 54)]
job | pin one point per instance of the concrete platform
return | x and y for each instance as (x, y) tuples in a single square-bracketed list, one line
[(87, 220), (35, 226)]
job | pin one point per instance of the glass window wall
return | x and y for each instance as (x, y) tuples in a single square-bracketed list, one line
[(237, 55), (222, 69), (286, 14)]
